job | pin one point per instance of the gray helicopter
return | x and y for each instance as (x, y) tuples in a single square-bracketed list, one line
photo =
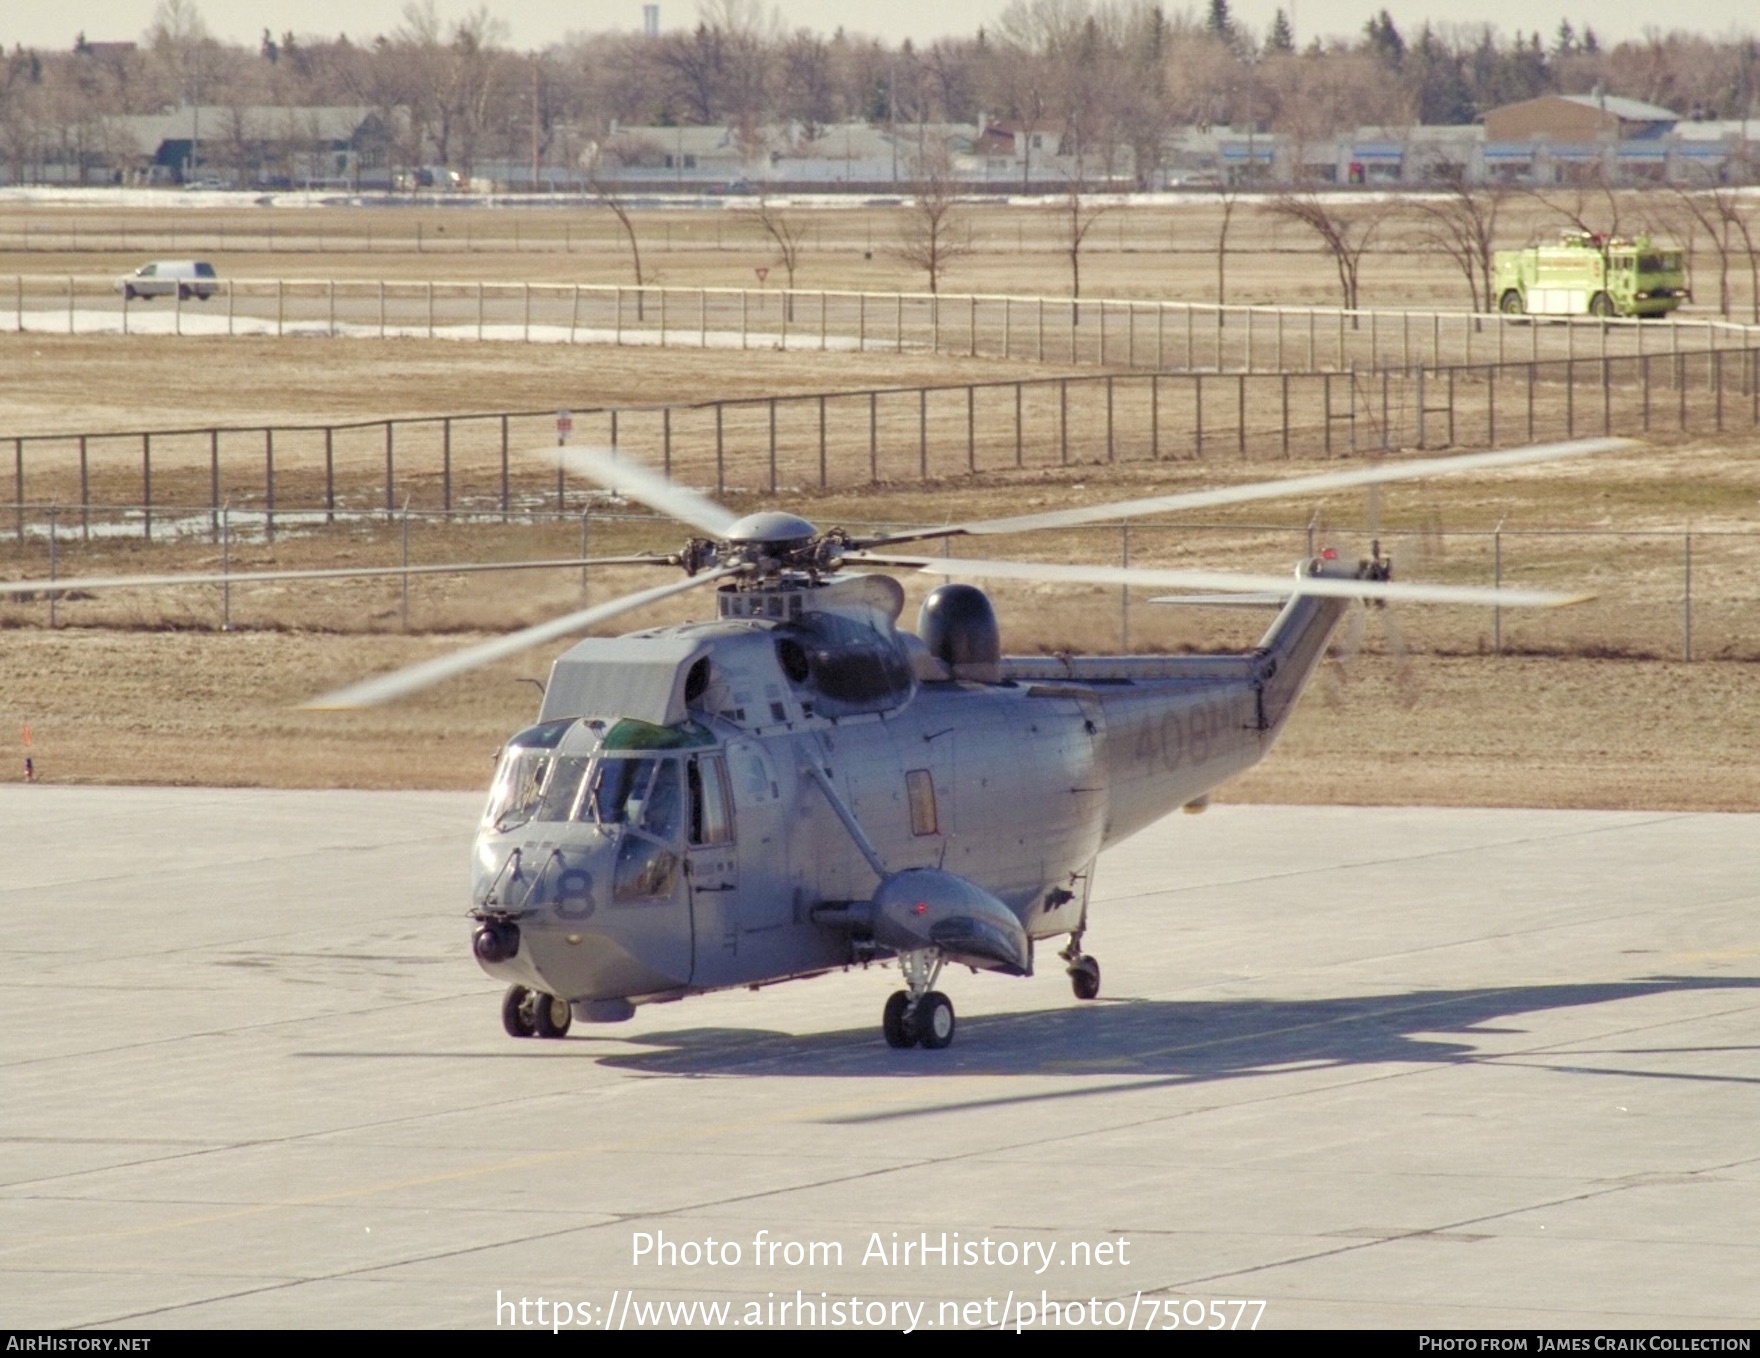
[(800, 785)]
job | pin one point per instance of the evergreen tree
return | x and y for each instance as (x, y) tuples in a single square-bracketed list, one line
[(1220, 22), (1385, 43), (1282, 38)]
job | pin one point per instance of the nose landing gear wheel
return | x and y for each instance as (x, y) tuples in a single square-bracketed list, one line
[(551, 1016), (893, 1023), (516, 1012), (934, 1020), (1084, 978)]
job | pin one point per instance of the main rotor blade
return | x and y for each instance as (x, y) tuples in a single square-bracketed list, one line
[(1328, 586), (399, 683), (72, 582), (1380, 473), (650, 488)]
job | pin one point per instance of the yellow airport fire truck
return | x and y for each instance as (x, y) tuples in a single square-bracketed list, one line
[(1589, 274)]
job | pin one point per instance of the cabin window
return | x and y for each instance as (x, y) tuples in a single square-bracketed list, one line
[(921, 789), (711, 808)]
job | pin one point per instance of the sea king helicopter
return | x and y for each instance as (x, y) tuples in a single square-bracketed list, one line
[(800, 785)]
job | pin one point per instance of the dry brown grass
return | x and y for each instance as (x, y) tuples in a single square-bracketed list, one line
[(142, 688)]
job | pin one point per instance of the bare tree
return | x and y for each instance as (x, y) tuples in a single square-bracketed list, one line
[(608, 195), (1723, 214), (1230, 194), (790, 234), (1346, 234), (1078, 214), (929, 238), (1462, 224)]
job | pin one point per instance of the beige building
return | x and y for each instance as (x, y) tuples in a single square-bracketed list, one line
[(1579, 118)]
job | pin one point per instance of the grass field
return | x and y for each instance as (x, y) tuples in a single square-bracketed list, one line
[(137, 688)]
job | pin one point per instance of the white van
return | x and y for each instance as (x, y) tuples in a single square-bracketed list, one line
[(185, 277)]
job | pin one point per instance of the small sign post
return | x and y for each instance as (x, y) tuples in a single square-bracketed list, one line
[(564, 426)]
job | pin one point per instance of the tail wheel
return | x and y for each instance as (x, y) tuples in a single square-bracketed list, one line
[(516, 1012), (551, 1016), (1510, 304), (1084, 979)]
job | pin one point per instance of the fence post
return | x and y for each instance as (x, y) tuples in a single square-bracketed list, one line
[(1451, 439), (280, 308), (85, 494), (1155, 413), (1717, 384), (720, 460), (1326, 412), (1644, 371), (702, 318), (226, 567), (1497, 582), (1530, 401), (1687, 601), (873, 437), (446, 462), (504, 500), (18, 482), (923, 432), (971, 425), (1420, 407), (1063, 421), (390, 474), (666, 440), (772, 404), (973, 323), (147, 486), (269, 484), (329, 475), (1570, 398), (1198, 415), (1041, 354), (381, 309), (822, 480), (1109, 447), (54, 594), (1019, 439), (1124, 591), (1240, 405)]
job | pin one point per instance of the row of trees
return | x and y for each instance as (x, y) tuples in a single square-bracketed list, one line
[(1103, 75)]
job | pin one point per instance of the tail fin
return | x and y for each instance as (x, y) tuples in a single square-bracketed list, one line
[(1294, 646)]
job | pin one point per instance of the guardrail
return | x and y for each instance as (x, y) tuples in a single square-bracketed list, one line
[(1122, 333), (486, 462)]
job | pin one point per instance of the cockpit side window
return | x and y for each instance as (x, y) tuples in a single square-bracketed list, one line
[(644, 793), (711, 807), (519, 788)]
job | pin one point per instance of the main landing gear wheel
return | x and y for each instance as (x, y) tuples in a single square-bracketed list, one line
[(551, 1016), (1084, 978), (895, 1021), (933, 1021), (917, 1015), (516, 1012)]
